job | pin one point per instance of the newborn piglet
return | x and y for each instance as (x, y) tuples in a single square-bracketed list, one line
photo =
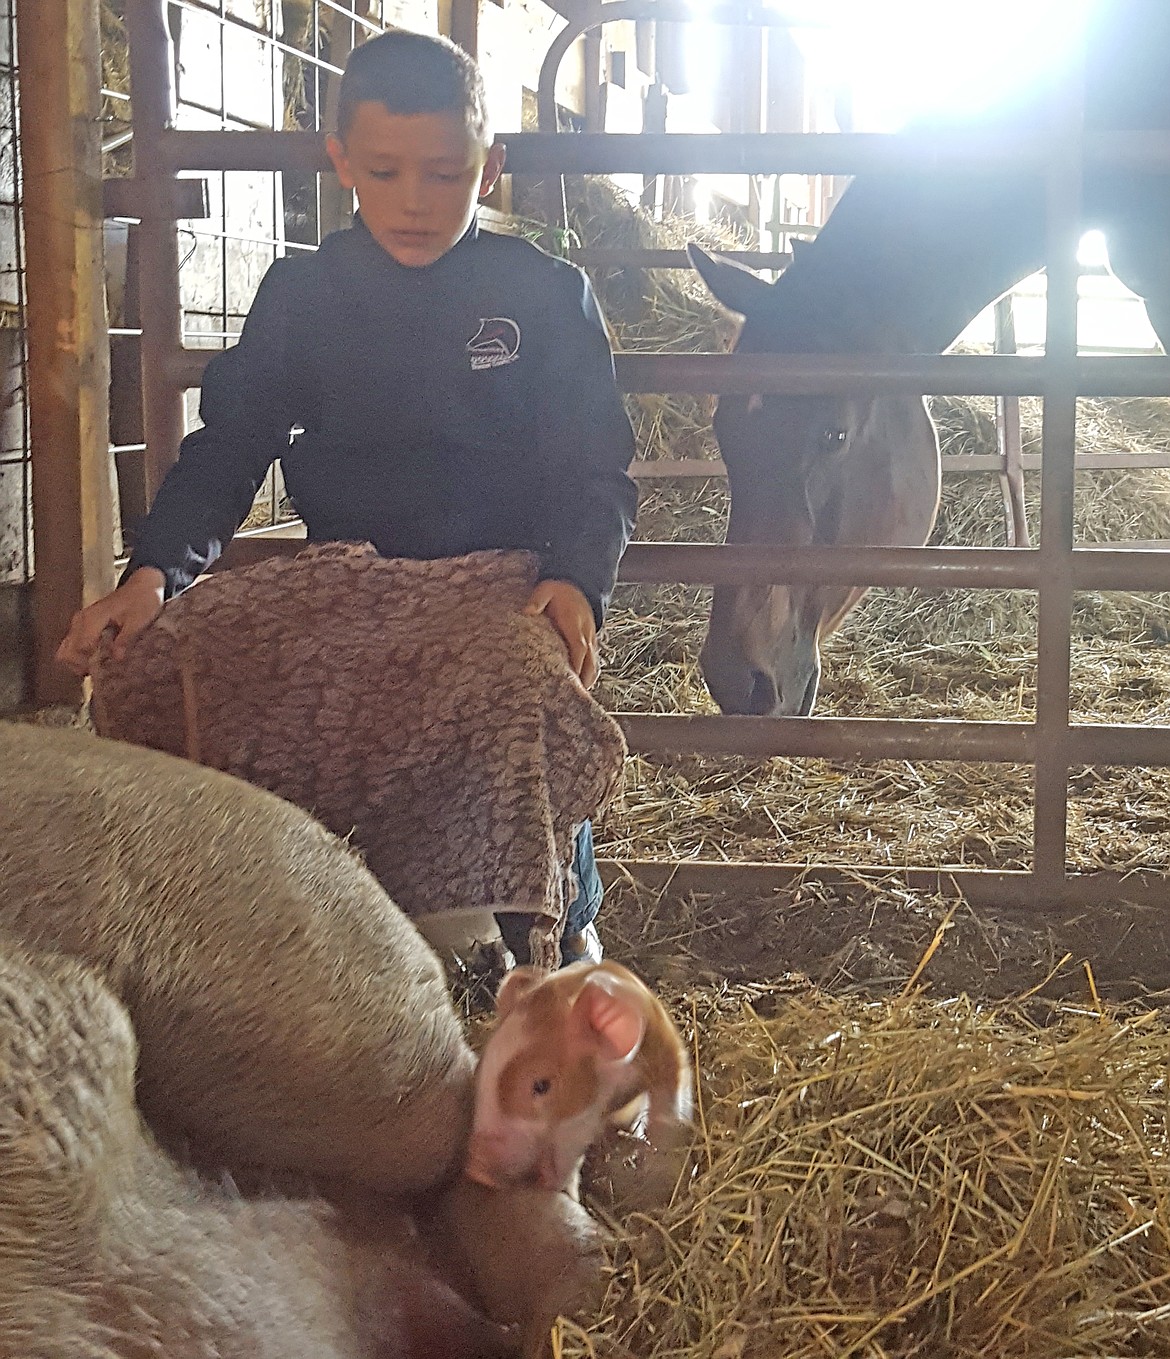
[(573, 1053)]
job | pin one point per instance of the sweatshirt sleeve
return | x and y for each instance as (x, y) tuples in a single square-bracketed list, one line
[(591, 501), (249, 403)]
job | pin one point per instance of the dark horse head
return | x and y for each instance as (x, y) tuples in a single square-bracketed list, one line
[(858, 469), (904, 262)]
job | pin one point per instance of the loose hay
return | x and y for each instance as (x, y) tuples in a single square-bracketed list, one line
[(902, 1177), (656, 310)]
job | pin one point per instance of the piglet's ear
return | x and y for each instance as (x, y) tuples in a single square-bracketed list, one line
[(515, 986), (614, 1019)]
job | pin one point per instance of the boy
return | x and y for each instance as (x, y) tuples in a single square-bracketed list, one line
[(430, 388)]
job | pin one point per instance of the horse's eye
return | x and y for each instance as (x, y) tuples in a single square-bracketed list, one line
[(834, 438), (541, 1086)]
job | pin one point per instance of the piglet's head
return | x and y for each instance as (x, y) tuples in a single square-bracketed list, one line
[(560, 1059)]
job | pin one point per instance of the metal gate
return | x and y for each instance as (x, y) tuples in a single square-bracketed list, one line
[(1052, 744)]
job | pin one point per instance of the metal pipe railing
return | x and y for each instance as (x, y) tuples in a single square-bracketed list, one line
[(692, 153), (1058, 486), (938, 568), (961, 464), (873, 738), (819, 374)]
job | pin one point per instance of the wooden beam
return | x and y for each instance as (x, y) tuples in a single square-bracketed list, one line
[(459, 19), (68, 373)]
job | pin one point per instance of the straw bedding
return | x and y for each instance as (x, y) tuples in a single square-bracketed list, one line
[(899, 1176), (921, 1130), (892, 1160)]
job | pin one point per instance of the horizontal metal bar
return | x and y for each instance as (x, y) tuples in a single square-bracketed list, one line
[(183, 368), (844, 738), (942, 568), (1119, 744), (188, 149), (935, 568), (872, 738), (953, 464), (604, 257), (677, 153), (813, 374), (802, 153), (247, 549), (1134, 567), (1001, 889), (941, 374)]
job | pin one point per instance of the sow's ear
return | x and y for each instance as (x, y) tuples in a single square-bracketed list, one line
[(612, 1016), (736, 287), (515, 986)]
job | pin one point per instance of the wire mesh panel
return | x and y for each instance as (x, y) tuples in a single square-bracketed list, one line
[(15, 472), (238, 65)]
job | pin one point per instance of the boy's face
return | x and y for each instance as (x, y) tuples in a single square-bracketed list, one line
[(417, 178)]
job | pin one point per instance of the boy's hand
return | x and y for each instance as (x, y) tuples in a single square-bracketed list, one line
[(128, 610), (567, 609)]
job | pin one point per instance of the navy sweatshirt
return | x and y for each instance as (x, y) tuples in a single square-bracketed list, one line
[(470, 404)]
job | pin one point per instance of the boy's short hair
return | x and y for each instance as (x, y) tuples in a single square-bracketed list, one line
[(413, 73)]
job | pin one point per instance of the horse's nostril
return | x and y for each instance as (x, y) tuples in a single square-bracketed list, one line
[(763, 697)]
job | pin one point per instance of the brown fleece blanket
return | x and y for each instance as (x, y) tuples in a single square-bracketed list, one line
[(408, 704)]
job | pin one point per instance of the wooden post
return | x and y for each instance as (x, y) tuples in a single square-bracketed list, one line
[(68, 370), (459, 19)]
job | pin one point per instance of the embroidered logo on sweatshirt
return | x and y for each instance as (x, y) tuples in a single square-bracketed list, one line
[(495, 343)]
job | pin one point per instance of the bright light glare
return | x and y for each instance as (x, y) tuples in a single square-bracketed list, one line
[(1091, 253), (909, 57)]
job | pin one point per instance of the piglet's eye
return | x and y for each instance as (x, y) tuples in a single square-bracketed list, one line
[(541, 1086)]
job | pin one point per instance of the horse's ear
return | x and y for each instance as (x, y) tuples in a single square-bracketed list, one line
[(736, 287)]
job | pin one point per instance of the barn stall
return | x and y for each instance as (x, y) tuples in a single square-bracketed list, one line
[(881, 1166)]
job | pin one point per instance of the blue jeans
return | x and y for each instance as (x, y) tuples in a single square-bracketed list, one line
[(585, 905), (583, 908)]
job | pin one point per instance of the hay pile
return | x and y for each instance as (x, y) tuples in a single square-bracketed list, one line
[(655, 310), (901, 1177)]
